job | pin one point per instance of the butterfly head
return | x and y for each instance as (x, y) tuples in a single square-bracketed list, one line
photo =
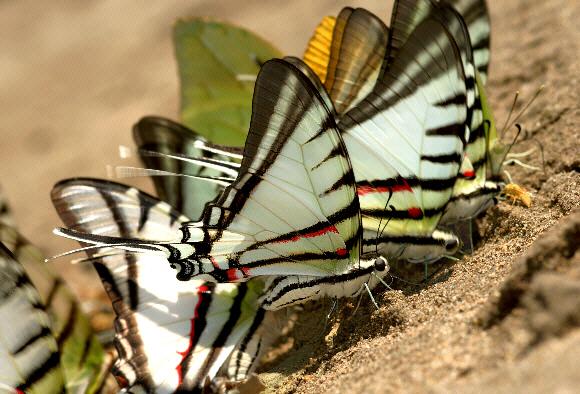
[(381, 264), (441, 243)]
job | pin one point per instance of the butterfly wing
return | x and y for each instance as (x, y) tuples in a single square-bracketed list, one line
[(473, 195), (292, 208), (476, 16), (218, 63), (170, 335), (317, 54), (406, 139), (188, 195), (83, 360), (29, 356), (356, 54)]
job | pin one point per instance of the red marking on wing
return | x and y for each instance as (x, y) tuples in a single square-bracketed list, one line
[(415, 212), (329, 229), (19, 392), (233, 273), (121, 382), (214, 262), (232, 276), (200, 290), (469, 174), (363, 190)]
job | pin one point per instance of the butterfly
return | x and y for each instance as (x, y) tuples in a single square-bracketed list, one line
[(347, 53), (170, 335), (29, 353), (472, 193), (407, 137), (292, 214), (164, 147), (48, 345), (218, 63), (419, 245)]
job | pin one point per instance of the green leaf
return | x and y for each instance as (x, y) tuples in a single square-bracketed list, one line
[(218, 63)]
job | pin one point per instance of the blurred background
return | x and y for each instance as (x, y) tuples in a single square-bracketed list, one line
[(75, 77)]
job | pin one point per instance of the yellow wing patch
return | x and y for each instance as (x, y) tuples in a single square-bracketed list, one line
[(317, 54)]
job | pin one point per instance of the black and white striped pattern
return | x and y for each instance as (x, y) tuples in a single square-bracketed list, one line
[(83, 360), (357, 51), (474, 194), (170, 335), (476, 16), (161, 144), (292, 212), (29, 356), (406, 141), (293, 208)]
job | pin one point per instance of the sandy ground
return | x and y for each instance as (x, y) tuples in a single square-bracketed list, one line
[(75, 77)]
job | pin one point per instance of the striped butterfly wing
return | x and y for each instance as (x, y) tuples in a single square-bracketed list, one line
[(352, 58), (166, 146), (408, 14), (83, 360), (406, 139), (476, 16), (170, 335), (313, 77), (29, 356), (293, 208), (356, 56), (283, 290), (405, 17), (317, 54), (472, 194), (218, 63), (161, 135)]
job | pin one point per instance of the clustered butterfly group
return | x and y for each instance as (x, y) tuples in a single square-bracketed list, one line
[(366, 150)]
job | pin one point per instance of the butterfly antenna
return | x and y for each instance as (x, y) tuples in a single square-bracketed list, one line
[(513, 142), (527, 106), (379, 231), (510, 114), (406, 281)]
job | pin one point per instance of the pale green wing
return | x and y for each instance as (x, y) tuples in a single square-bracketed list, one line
[(218, 65)]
